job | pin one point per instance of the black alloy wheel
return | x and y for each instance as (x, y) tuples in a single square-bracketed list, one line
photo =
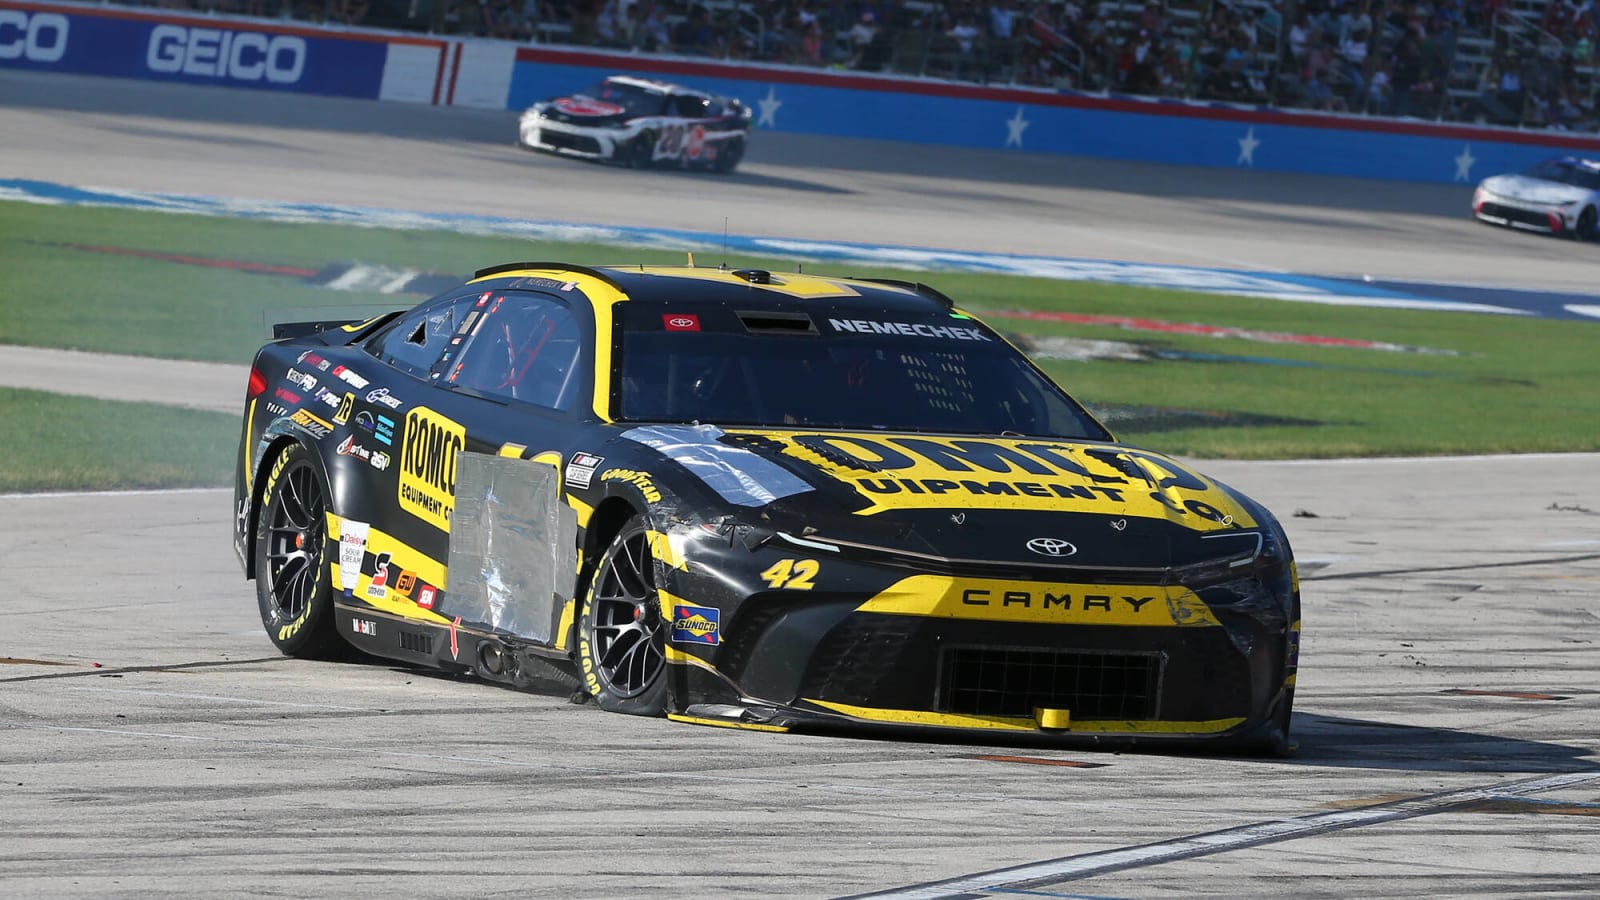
[(623, 629), (292, 576)]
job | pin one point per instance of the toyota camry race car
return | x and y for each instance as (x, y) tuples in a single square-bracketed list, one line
[(1559, 196), (753, 499), (638, 122)]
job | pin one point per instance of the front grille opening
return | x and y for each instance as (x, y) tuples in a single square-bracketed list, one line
[(1092, 685)]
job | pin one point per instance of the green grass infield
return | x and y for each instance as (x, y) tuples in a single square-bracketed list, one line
[(192, 287)]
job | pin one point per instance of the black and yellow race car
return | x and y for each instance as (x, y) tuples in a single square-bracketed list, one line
[(754, 499)]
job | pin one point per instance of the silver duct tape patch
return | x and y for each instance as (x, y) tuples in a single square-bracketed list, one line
[(737, 475), (513, 546)]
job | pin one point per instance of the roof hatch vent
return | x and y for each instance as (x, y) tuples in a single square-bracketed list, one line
[(754, 276)]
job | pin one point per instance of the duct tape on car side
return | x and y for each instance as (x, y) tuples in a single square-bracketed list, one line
[(513, 546)]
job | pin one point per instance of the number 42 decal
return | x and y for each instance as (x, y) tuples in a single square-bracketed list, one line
[(791, 574)]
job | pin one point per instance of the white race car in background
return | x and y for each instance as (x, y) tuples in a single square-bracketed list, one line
[(639, 123), (1559, 196)]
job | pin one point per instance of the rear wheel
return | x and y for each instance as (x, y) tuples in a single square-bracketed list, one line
[(622, 631), (293, 586), (729, 155)]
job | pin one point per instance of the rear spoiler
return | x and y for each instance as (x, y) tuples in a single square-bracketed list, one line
[(335, 331)]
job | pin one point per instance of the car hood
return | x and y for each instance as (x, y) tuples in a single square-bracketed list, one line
[(949, 500), (1527, 189), (580, 110)]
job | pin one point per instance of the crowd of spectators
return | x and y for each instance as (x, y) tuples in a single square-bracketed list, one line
[(1379, 57)]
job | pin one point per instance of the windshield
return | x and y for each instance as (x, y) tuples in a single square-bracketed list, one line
[(888, 370), (1567, 172), (635, 100)]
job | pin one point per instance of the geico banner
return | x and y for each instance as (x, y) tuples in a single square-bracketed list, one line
[(199, 51)]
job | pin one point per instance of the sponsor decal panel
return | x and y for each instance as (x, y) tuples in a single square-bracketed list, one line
[(348, 447), (364, 626), (382, 397), (304, 380), (906, 472), (319, 428), (348, 377), (347, 405), (426, 596), (329, 399), (288, 397), (352, 549), (696, 624), (909, 329), (428, 452), (378, 588), (580, 471)]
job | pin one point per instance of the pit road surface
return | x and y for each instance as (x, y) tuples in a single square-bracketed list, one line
[(1449, 664)]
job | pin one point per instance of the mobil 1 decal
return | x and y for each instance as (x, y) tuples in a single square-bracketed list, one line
[(925, 472), (429, 446)]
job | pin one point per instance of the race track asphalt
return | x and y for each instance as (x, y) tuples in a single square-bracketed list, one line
[(152, 743)]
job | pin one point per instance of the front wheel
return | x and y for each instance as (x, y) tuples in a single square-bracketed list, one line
[(293, 586), (1585, 229), (640, 152), (622, 631)]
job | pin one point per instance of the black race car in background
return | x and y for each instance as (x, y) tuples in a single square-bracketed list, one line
[(639, 122), (753, 499)]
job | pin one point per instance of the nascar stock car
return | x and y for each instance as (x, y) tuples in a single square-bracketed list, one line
[(640, 123), (753, 499), (1559, 196)]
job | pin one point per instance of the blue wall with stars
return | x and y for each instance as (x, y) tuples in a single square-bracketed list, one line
[(1036, 121)]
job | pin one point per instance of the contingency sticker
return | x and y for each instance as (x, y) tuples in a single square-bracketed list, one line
[(581, 470), (352, 547), (695, 624)]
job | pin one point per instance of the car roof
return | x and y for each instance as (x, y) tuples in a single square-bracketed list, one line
[(692, 285), (649, 84)]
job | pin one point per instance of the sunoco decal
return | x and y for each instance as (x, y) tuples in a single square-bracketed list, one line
[(695, 624), (428, 466)]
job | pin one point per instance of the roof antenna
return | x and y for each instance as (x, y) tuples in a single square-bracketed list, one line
[(691, 259), (724, 265)]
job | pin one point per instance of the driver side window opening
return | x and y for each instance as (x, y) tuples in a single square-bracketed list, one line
[(525, 347)]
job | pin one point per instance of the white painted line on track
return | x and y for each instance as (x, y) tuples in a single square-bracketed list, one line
[(807, 784), (145, 492), (1073, 867), (217, 698)]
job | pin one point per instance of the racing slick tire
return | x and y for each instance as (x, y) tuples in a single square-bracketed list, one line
[(293, 584), (639, 153), (728, 156), (1585, 229), (622, 631)]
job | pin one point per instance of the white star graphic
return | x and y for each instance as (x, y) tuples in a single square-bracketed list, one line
[(769, 109), (1464, 163), (1015, 126), (1247, 149)]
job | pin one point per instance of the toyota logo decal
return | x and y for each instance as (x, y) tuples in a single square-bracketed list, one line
[(1052, 547), (680, 321)]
